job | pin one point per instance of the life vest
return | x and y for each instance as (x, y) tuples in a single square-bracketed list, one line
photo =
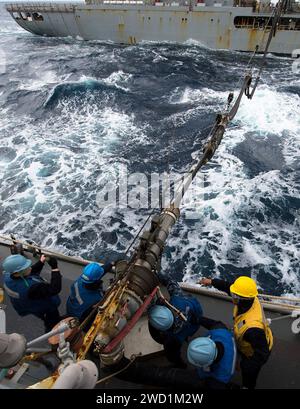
[(224, 369), (253, 318), (192, 309), (17, 290), (81, 299)]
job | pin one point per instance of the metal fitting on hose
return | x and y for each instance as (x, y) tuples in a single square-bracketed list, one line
[(113, 357)]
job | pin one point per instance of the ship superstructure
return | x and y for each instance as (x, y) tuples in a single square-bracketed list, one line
[(229, 24)]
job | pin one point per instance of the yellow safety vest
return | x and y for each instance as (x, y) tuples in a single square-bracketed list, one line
[(253, 318), (1, 295)]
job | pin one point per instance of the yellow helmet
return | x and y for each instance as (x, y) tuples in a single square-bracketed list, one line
[(244, 287)]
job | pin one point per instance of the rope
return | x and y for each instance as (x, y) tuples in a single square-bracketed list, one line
[(158, 202), (191, 287), (293, 315), (258, 47), (139, 232), (284, 306), (31, 247), (276, 17), (278, 297), (171, 306), (74, 259), (132, 359)]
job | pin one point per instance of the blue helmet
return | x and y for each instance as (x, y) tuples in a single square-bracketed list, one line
[(202, 351), (15, 264), (161, 318), (92, 273)]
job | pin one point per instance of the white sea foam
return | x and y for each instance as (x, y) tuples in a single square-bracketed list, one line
[(231, 189), (119, 79), (204, 95), (78, 145), (277, 113), (192, 42), (234, 195), (46, 78), (48, 187), (158, 57)]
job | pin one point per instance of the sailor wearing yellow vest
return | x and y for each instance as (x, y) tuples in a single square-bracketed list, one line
[(252, 333)]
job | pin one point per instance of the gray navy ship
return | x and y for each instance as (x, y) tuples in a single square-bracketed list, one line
[(240, 25)]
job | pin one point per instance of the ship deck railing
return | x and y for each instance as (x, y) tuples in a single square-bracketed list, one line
[(66, 7), (281, 27), (284, 304), (70, 6)]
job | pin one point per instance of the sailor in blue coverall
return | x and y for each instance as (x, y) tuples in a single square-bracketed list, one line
[(168, 328), (29, 293), (214, 355), (87, 290)]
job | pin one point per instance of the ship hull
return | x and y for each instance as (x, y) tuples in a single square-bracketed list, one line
[(213, 27)]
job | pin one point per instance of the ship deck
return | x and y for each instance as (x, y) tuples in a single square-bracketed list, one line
[(281, 371)]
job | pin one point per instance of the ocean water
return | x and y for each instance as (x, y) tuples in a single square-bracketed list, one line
[(72, 111)]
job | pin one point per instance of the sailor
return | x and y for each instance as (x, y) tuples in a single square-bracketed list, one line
[(251, 330), (87, 290), (28, 292), (167, 328), (214, 354)]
